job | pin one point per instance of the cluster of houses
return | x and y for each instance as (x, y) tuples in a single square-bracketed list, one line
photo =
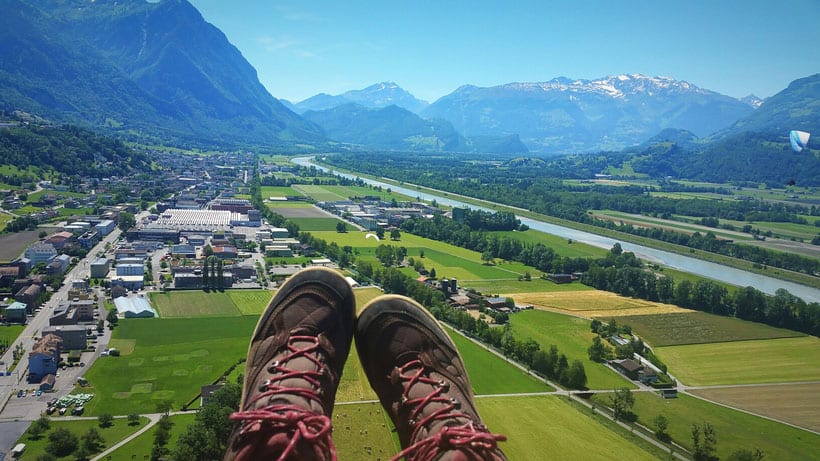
[(372, 213)]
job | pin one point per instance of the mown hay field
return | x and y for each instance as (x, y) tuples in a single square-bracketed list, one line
[(734, 430), (572, 336), (699, 327), (793, 403), (745, 362), (547, 427), (593, 303)]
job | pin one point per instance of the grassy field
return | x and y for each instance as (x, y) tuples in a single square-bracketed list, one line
[(699, 327), (9, 333), (5, 219), (333, 193), (490, 374), (113, 434), (171, 359), (558, 244), (794, 403), (734, 430), (278, 191), (319, 224), (592, 303), (363, 431), (199, 303), (572, 336), (745, 362), (548, 427), (650, 222), (142, 445)]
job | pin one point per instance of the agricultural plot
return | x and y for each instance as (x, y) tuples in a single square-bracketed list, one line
[(573, 337), (745, 362), (5, 219), (193, 304), (695, 327), (734, 430), (13, 245), (650, 222), (793, 403), (299, 210), (141, 446), (324, 223), (319, 193), (363, 431), (333, 193), (593, 303), (490, 374), (278, 191), (560, 245), (547, 427), (250, 301), (111, 435), (170, 360)]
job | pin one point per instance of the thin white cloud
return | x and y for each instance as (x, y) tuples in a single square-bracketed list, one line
[(295, 14)]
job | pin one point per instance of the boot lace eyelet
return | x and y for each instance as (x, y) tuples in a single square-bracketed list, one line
[(264, 386)]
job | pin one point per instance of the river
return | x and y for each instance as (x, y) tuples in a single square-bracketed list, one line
[(684, 263)]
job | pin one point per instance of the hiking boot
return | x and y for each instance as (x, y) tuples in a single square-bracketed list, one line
[(295, 360), (415, 369)]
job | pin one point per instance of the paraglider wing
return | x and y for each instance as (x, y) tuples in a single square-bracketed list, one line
[(798, 139), (372, 235)]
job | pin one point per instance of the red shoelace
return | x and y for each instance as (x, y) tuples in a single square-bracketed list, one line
[(469, 436), (303, 424)]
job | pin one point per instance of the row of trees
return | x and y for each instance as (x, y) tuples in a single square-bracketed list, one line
[(623, 275)]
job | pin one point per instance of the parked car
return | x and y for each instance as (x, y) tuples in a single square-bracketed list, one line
[(76, 411)]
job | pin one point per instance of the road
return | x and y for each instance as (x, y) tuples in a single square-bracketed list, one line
[(29, 408)]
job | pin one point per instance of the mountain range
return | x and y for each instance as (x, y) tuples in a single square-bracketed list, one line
[(141, 69), (158, 72)]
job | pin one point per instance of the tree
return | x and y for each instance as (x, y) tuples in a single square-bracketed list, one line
[(207, 251), (746, 455), (576, 375), (341, 227), (622, 402), (380, 233), (395, 234), (92, 440), (661, 425), (598, 351), (703, 442), (39, 427), (62, 442), (133, 419), (487, 257), (112, 317), (421, 253), (433, 273), (105, 420), (126, 221)]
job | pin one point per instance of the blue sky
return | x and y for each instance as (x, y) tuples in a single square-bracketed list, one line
[(430, 48)]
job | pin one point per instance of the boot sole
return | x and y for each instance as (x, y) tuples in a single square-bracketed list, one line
[(322, 275)]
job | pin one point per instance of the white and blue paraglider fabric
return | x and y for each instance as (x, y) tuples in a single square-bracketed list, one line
[(799, 140)]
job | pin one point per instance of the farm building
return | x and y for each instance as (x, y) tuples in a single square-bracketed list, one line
[(134, 307)]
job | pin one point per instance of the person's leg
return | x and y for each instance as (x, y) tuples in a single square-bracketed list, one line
[(416, 371), (295, 359)]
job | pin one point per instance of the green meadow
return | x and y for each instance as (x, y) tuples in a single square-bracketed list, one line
[(5, 219), (197, 303), (142, 445), (698, 328), (745, 362), (165, 359), (734, 429), (573, 337), (119, 430), (560, 245), (548, 427), (319, 224), (278, 191)]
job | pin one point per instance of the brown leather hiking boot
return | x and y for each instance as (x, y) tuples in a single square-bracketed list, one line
[(415, 369), (295, 359)]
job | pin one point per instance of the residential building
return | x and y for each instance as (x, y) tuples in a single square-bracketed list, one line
[(100, 268), (44, 358), (16, 313), (130, 269), (73, 336), (40, 253), (105, 227)]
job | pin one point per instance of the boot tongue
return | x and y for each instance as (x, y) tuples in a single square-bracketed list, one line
[(421, 389), (304, 376)]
